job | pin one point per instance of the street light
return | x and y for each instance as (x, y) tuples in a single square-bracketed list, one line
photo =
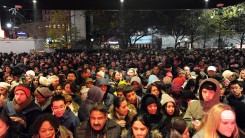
[(151, 31)]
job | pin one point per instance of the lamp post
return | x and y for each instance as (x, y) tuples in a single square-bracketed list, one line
[(92, 40), (151, 31)]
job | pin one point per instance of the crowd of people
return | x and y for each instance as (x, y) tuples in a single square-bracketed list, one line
[(123, 94)]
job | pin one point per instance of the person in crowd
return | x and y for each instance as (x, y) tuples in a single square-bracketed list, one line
[(209, 95), (104, 85), (71, 76), (169, 110), (89, 82), (119, 112), (211, 70), (177, 94), (119, 91), (136, 83), (150, 105), (59, 90), (22, 110), (131, 96), (178, 128), (7, 130), (71, 104), (220, 122), (98, 125), (236, 92), (140, 128), (70, 87), (4, 94), (54, 82), (84, 94), (34, 83), (43, 97), (95, 95), (63, 113), (47, 126), (82, 76), (155, 89), (156, 71)]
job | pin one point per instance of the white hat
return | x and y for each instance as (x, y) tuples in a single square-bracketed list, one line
[(30, 73), (4, 85), (52, 78), (101, 73), (211, 68), (43, 81)]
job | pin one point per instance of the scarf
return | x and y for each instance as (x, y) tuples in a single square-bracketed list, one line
[(20, 107)]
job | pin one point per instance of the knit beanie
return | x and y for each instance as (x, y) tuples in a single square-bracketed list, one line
[(152, 79), (101, 73), (24, 89), (5, 85), (150, 100), (43, 81), (166, 98), (44, 91), (176, 87), (52, 78)]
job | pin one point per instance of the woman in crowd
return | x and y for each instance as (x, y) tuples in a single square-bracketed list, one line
[(169, 110), (47, 126), (178, 128), (155, 89), (5, 131), (219, 122)]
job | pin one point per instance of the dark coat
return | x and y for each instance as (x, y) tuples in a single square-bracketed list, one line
[(111, 130)]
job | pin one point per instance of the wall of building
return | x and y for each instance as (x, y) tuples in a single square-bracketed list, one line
[(20, 45), (79, 21)]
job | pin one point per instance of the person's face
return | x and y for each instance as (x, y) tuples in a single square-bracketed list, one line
[(136, 85), (8, 69), (71, 77), (236, 90), (39, 98), (155, 70), (186, 133), (131, 97), (87, 74), (20, 96), (97, 120), (123, 108), (211, 72), (207, 94), (117, 76), (58, 108), (152, 109), (120, 94), (46, 130), (139, 130), (58, 89), (3, 91), (3, 128), (9, 79), (68, 88), (227, 123), (242, 74), (222, 90), (89, 84), (35, 82), (155, 91), (55, 83), (170, 108), (103, 88)]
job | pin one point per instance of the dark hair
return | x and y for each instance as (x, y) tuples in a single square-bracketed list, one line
[(99, 107), (57, 98), (117, 101), (45, 117), (120, 88), (178, 124), (73, 86), (128, 89), (5, 119), (143, 119), (240, 83), (72, 72)]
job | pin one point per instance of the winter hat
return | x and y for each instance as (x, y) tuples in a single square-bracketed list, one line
[(5, 85), (30, 73), (44, 91), (152, 79), (101, 73), (169, 74), (208, 85), (176, 87), (150, 100), (53, 78), (24, 89), (123, 82), (84, 91), (188, 94), (89, 80), (43, 81), (135, 78), (227, 73), (166, 98), (179, 80)]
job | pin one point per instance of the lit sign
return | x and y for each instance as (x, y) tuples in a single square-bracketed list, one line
[(142, 40), (21, 33)]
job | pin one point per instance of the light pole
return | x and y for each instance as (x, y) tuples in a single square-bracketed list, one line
[(151, 31), (220, 12)]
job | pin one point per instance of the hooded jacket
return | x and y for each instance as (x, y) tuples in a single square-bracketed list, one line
[(198, 108), (139, 91), (110, 130), (153, 119), (95, 95), (108, 97)]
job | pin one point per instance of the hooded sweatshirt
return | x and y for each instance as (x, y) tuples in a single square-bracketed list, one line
[(138, 91), (198, 108), (95, 95)]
